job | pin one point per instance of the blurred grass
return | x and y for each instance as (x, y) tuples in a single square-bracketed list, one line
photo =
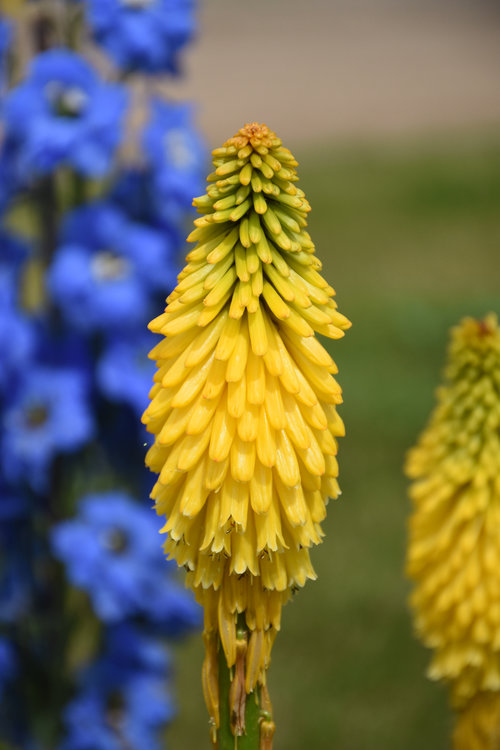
[(410, 237)]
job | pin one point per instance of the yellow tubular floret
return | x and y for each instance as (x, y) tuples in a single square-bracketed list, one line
[(243, 409), (478, 725)]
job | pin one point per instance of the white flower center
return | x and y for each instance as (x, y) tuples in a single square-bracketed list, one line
[(108, 266), (177, 149), (66, 101), (114, 540)]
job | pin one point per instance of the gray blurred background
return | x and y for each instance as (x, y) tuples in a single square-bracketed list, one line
[(312, 69)]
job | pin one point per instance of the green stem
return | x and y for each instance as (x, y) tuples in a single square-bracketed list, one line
[(79, 190), (226, 739), (46, 200)]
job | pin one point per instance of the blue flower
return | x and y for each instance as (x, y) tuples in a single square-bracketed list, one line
[(12, 504), (8, 663), (9, 670), (124, 372), (49, 414), (176, 156), (16, 547), (129, 649), (112, 550), (106, 267), (11, 182), (63, 113), (123, 698), (16, 343), (16, 332), (5, 36), (135, 193), (13, 254), (142, 35)]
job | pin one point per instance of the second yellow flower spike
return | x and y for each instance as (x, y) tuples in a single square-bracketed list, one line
[(454, 547)]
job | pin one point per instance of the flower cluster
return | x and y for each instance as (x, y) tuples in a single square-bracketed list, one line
[(123, 697), (453, 552), (88, 243), (144, 35), (243, 408)]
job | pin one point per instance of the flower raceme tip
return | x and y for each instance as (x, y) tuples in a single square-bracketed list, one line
[(243, 408)]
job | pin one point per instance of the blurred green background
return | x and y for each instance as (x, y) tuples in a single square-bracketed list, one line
[(392, 110), (410, 238)]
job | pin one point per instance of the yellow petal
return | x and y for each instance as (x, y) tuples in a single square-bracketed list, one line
[(286, 460), (215, 474), (248, 423), (292, 501), (216, 379), (193, 384), (228, 339), (257, 330), (266, 444), (242, 460), (243, 556), (238, 359), (237, 397), (201, 415), (256, 379), (193, 498), (192, 449), (261, 488), (223, 429), (274, 403)]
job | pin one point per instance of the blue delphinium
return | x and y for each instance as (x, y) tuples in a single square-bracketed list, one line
[(123, 700), (106, 267), (5, 36), (112, 551), (174, 151), (63, 113), (13, 254), (15, 547), (106, 226), (7, 663), (11, 181), (16, 331), (16, 341), (142, 35), (124, 372), (8, 671), (48, 414), (12, 503)]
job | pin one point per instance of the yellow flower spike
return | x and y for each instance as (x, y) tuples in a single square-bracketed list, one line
[(244, 412), (454, 550)]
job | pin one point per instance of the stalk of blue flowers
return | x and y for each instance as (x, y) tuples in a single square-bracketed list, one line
[(54, 630)]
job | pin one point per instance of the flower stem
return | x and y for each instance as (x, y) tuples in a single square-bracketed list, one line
[(46, 200), (250, 739)]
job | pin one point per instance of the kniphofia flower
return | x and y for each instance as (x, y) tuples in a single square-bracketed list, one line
[(244, 408), (454, 544)]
